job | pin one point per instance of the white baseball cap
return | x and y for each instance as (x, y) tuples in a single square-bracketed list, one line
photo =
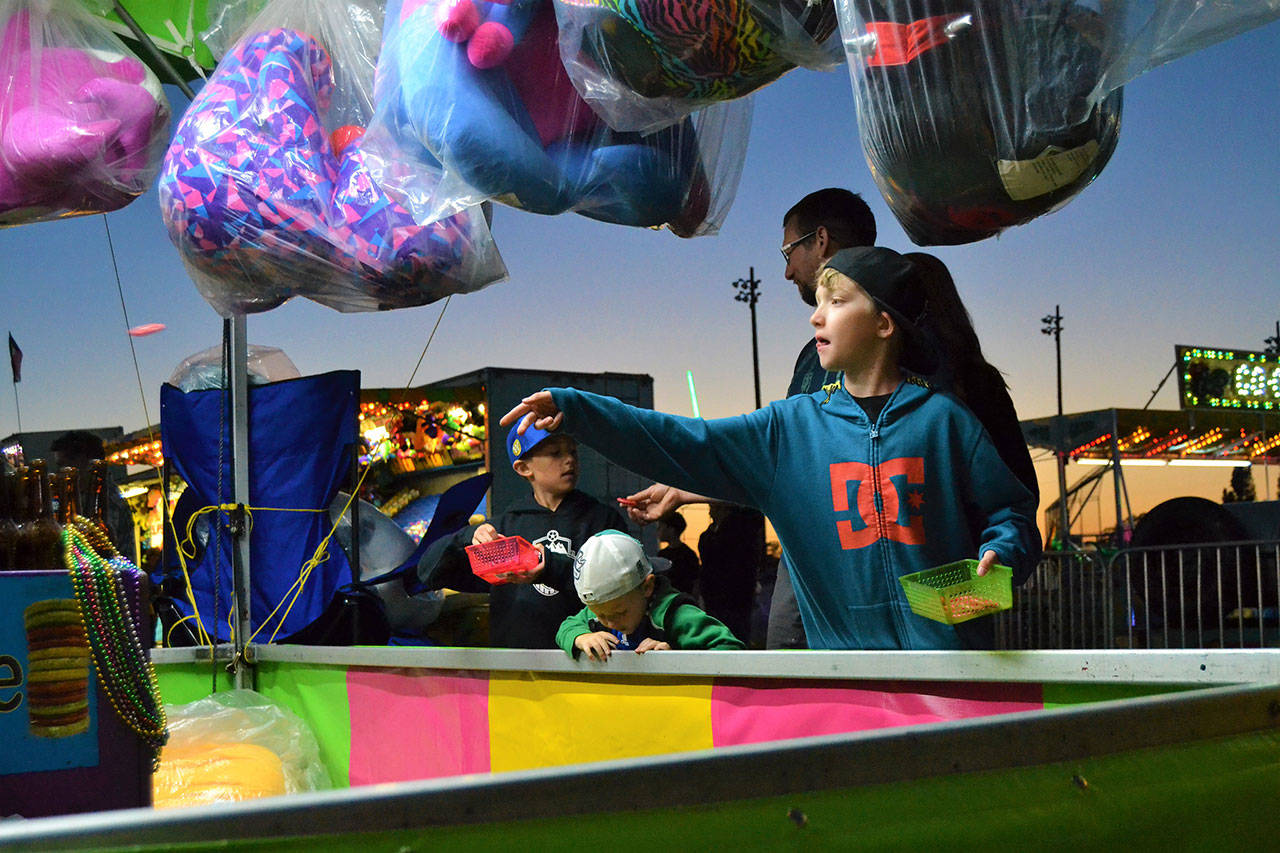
[(609, 565)]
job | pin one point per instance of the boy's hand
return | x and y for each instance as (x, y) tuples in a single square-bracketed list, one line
[(530, 576), (649, 644), (538, 409), (989, 559), (484, 533), (656, 501), (597, 646)]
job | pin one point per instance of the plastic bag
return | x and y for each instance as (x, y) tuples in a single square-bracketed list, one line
[(479, 89), (82, 121), (645, 64), (235, 745), (967, 109), (1139, 35), (203, 371), (267, 193)]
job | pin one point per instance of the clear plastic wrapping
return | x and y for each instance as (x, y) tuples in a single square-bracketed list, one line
[(82, 120), (976, 115), (236, 745), (645, 64), (479, 90), (267, 191), (1139, 35), (204, 370), (972, 114)]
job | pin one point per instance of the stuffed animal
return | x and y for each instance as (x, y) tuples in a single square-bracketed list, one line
[(684, 48), (971, 113), (80, 129), (262, 207), (479, 88)]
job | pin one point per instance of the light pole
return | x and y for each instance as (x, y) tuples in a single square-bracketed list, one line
[(749, 292), (1273, 350), (1053, 326)]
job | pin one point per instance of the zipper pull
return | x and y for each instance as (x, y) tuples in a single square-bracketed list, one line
[(875, 431)]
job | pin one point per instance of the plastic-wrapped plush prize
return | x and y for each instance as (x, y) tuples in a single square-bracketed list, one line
[(268, 193), (977, 115), (646, 64), (479, 89), (82, 121)]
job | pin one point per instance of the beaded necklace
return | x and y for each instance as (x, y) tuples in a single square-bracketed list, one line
[(123, 666)]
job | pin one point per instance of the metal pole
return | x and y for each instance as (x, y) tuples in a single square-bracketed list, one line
[(748, 292), (1272, 348), (1119, 538), (1053, 326), (151, 50), (242, 673)]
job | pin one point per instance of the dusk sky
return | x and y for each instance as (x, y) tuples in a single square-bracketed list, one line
[(1174, 243)]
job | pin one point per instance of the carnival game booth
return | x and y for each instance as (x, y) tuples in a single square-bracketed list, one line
[(846, 750)]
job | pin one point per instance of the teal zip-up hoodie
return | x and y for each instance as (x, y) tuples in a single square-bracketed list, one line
[(855, 504)]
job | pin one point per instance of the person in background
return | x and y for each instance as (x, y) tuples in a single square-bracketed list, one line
[(685, 567), (732, 553), (526, 612), (629, 608), (79, 449), (870, 478), (813, 229), (965, 372)]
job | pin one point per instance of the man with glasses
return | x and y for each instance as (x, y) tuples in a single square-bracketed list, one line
[(815, 228), (819, 225)]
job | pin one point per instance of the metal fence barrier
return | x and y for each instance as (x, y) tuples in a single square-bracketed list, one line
[(1219, 595)]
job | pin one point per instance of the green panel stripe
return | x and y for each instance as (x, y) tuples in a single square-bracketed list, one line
[(185, 682), (1062, 695), (317, 694)]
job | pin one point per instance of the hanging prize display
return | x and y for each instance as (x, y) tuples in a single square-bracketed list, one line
[(975, 117)]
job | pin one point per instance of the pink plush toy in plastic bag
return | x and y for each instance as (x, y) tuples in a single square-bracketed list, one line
[(82, 121)]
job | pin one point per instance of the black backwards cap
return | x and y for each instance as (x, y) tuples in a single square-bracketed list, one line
[(892, 282)]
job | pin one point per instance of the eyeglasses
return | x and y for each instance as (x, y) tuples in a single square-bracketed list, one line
[(791, 247)]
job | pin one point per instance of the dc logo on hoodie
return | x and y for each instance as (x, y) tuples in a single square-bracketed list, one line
[(889, 501)]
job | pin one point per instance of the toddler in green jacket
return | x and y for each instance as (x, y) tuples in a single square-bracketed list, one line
[(629, 608)]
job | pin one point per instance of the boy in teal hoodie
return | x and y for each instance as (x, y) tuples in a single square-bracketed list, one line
[(628, 607), (869, 479)]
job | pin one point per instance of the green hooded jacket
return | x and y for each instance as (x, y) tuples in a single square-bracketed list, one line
[(674, 617)]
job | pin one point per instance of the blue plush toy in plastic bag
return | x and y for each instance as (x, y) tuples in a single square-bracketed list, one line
[(479, 88)]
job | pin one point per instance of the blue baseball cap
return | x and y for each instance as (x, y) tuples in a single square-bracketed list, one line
[(520, 443)]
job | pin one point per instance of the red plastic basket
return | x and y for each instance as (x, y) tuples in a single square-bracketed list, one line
[(506, 554)]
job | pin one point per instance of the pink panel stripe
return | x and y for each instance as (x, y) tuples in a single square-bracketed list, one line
[(417, 724), (747, 711)]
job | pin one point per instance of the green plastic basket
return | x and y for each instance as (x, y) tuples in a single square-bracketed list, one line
[(954, 592)]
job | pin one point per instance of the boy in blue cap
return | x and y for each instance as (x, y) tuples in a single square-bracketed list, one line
[(557, 518), (871, 478)]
